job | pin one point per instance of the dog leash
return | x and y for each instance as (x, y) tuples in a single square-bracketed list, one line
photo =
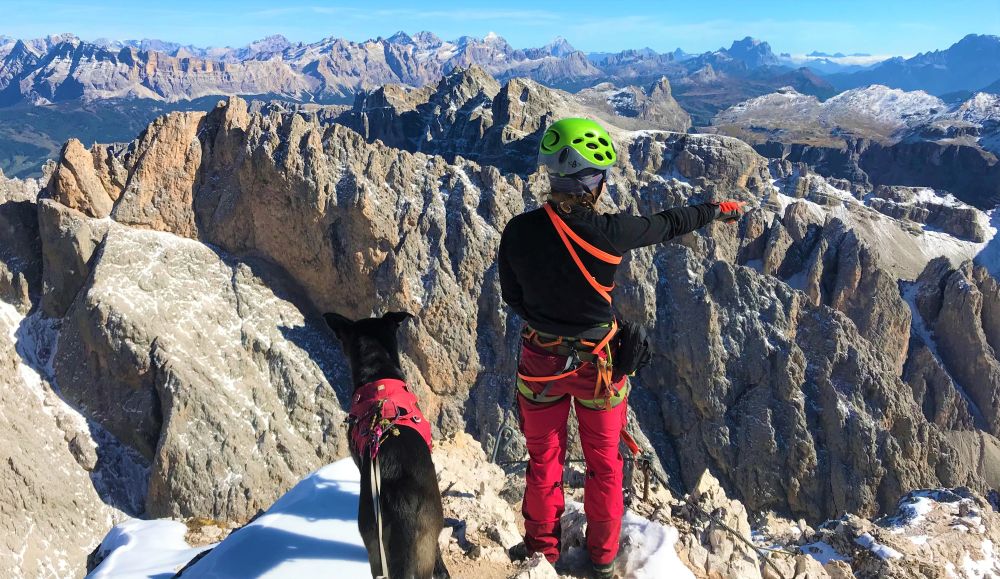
[(375, 472)]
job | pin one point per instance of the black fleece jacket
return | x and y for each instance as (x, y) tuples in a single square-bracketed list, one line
[(541, 283)]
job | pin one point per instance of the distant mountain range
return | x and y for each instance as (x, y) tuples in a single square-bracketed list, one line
[(65, 68), (60, 86), (971, 64)]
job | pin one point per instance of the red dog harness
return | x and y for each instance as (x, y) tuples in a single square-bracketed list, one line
[(378, 409)]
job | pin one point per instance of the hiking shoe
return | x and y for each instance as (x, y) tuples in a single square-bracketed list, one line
[(518, 552), (606, 571)]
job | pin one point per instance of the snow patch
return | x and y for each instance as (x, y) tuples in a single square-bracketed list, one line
[(883, 552), (647, 547), (983, 568), (311, 531), (144, 549), (652, 552), (823, 552)]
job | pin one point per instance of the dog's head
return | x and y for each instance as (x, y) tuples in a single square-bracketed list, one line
[(370, 345)]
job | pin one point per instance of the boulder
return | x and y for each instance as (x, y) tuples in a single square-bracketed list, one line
[(930, 533)]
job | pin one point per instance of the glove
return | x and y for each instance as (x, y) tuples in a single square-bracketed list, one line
[(730, 211)]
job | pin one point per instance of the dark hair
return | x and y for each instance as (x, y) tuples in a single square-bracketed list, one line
[(580, 188)]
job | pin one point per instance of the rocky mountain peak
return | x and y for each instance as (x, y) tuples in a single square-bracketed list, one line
[(559, 47), (659, 89), (400, 37), (269, 44), (978, 42), (20, 55), (753, 52), (425, 38)]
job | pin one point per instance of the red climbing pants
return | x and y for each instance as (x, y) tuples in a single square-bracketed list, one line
[(544, 428)]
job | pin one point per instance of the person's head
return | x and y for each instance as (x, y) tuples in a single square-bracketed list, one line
[(577, 154)]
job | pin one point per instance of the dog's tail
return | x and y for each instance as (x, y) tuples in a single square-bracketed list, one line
[(440, 571)]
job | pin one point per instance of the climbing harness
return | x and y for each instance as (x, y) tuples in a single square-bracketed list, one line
[(378, 410), (599, 350)]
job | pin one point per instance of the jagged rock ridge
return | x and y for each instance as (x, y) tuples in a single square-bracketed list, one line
[(395, 230)]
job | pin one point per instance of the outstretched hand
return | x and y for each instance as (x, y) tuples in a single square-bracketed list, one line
[(730, 211)]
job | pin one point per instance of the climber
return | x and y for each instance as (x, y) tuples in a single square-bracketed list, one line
[(557, 268)]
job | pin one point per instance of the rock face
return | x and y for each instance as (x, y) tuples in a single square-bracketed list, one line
[(960, 306), (932, 533), (20, 269), (69, 240), (77, 184), (204, 366), (159, 192), (780, 406), (781, 395), (967, 171), (471, 115), (51, 513), (923, 206)]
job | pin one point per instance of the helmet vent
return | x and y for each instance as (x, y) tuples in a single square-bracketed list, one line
[(609, 154), (562, 155), (589, 134), (577, 141), (599, 156), (592, 145), (602, 141)]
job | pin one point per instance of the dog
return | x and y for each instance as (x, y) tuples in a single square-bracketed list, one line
[(410, 500)]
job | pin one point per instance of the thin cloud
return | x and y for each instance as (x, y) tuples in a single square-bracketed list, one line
[(290, 10), (409, 14)]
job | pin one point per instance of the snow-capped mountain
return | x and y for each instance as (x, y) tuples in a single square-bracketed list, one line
[(875, 111)]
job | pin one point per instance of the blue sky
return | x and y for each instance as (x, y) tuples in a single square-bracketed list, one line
[(873, 26)]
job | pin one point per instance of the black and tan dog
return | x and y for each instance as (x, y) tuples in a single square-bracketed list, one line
[(384, 413)]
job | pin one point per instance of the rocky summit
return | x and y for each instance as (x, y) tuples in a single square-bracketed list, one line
[(812, 366)]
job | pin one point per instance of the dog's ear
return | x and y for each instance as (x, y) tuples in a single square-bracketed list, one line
[(397, 318), (338, 323)]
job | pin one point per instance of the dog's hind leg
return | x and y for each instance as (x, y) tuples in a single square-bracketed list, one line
[(440, 570)]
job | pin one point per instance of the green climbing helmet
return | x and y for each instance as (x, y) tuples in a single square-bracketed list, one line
[(572, 145)]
